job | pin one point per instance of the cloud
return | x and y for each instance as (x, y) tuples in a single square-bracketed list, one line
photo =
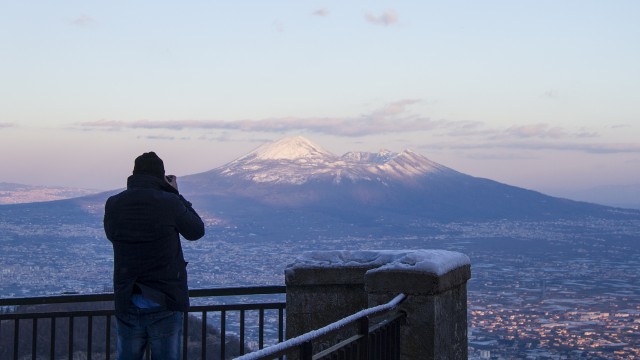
[(394, 117), (536, 130), (387, 18), (395, 108), (530, 131), (278, 27), (500, 156), (397, 117), (159, 137), (605, 148), (543, 137), (619, 126), (83, 21), (321, 12), (6, 125), (592, 148)]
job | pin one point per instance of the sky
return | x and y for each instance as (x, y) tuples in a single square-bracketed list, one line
[(540, 94)]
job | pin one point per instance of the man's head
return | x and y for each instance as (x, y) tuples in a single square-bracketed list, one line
[(149, 164)]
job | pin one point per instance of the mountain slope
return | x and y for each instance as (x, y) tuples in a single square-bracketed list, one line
[(295, 175)]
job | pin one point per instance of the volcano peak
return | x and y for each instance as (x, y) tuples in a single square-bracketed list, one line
[(290, 148)]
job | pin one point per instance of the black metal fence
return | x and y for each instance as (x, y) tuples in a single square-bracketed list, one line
[(82, 326), (380, 341)]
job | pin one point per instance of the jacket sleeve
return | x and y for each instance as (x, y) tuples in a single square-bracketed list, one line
[(106, 222), (189, 223)]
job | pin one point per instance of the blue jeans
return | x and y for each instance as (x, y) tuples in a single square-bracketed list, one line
[(160, 329)]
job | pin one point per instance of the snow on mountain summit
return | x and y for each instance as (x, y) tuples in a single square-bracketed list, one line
[(366, 157), (290, 148), (407, 164), (296, 160)]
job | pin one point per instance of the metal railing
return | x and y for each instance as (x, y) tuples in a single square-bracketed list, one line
[(81, 326), (378, 342)]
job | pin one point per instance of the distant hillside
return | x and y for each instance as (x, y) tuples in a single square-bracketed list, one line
[(11, 193), (293, 188), (624, 196)]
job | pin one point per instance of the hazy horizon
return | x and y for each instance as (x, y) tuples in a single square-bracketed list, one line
[(541, 95), (618, 196)]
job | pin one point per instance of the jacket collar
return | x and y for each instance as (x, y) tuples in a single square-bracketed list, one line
[(141, 181)]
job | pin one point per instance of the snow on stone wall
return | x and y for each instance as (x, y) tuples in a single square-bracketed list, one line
[(437, 262)]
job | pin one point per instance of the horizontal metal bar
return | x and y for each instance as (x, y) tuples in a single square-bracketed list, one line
[(340, 345), (84, 313), (195, 293), (238, 307), (390, 319), (233, 291), (59, 299), (61, 314)]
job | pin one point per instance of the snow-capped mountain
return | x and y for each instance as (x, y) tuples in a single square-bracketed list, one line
[(300, 176), (296, 160)]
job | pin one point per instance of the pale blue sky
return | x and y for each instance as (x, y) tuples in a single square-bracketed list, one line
[(539, 94)]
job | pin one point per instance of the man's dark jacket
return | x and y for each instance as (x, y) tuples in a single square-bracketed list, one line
[(144, 224)]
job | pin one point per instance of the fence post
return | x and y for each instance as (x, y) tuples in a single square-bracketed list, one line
[(364, 331), (306, 350)]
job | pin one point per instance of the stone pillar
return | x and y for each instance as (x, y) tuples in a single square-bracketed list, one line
[(326, 286), (436, 308), (317, 297)]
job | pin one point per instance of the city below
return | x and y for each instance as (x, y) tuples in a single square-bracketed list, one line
[(539, 290)]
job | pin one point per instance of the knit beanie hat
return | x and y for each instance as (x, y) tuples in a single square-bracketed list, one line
[(149, 164)]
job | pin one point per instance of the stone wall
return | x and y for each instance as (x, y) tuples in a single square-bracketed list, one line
[(326, 286)]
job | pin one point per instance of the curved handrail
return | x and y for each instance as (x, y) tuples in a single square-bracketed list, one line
[(277, 349)]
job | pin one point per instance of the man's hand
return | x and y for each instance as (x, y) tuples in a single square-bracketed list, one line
[(172, 180)]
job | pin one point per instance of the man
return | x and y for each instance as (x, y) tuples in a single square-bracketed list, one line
[(144, 224)]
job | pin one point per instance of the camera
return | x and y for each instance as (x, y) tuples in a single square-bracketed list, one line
[(171, 180)]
